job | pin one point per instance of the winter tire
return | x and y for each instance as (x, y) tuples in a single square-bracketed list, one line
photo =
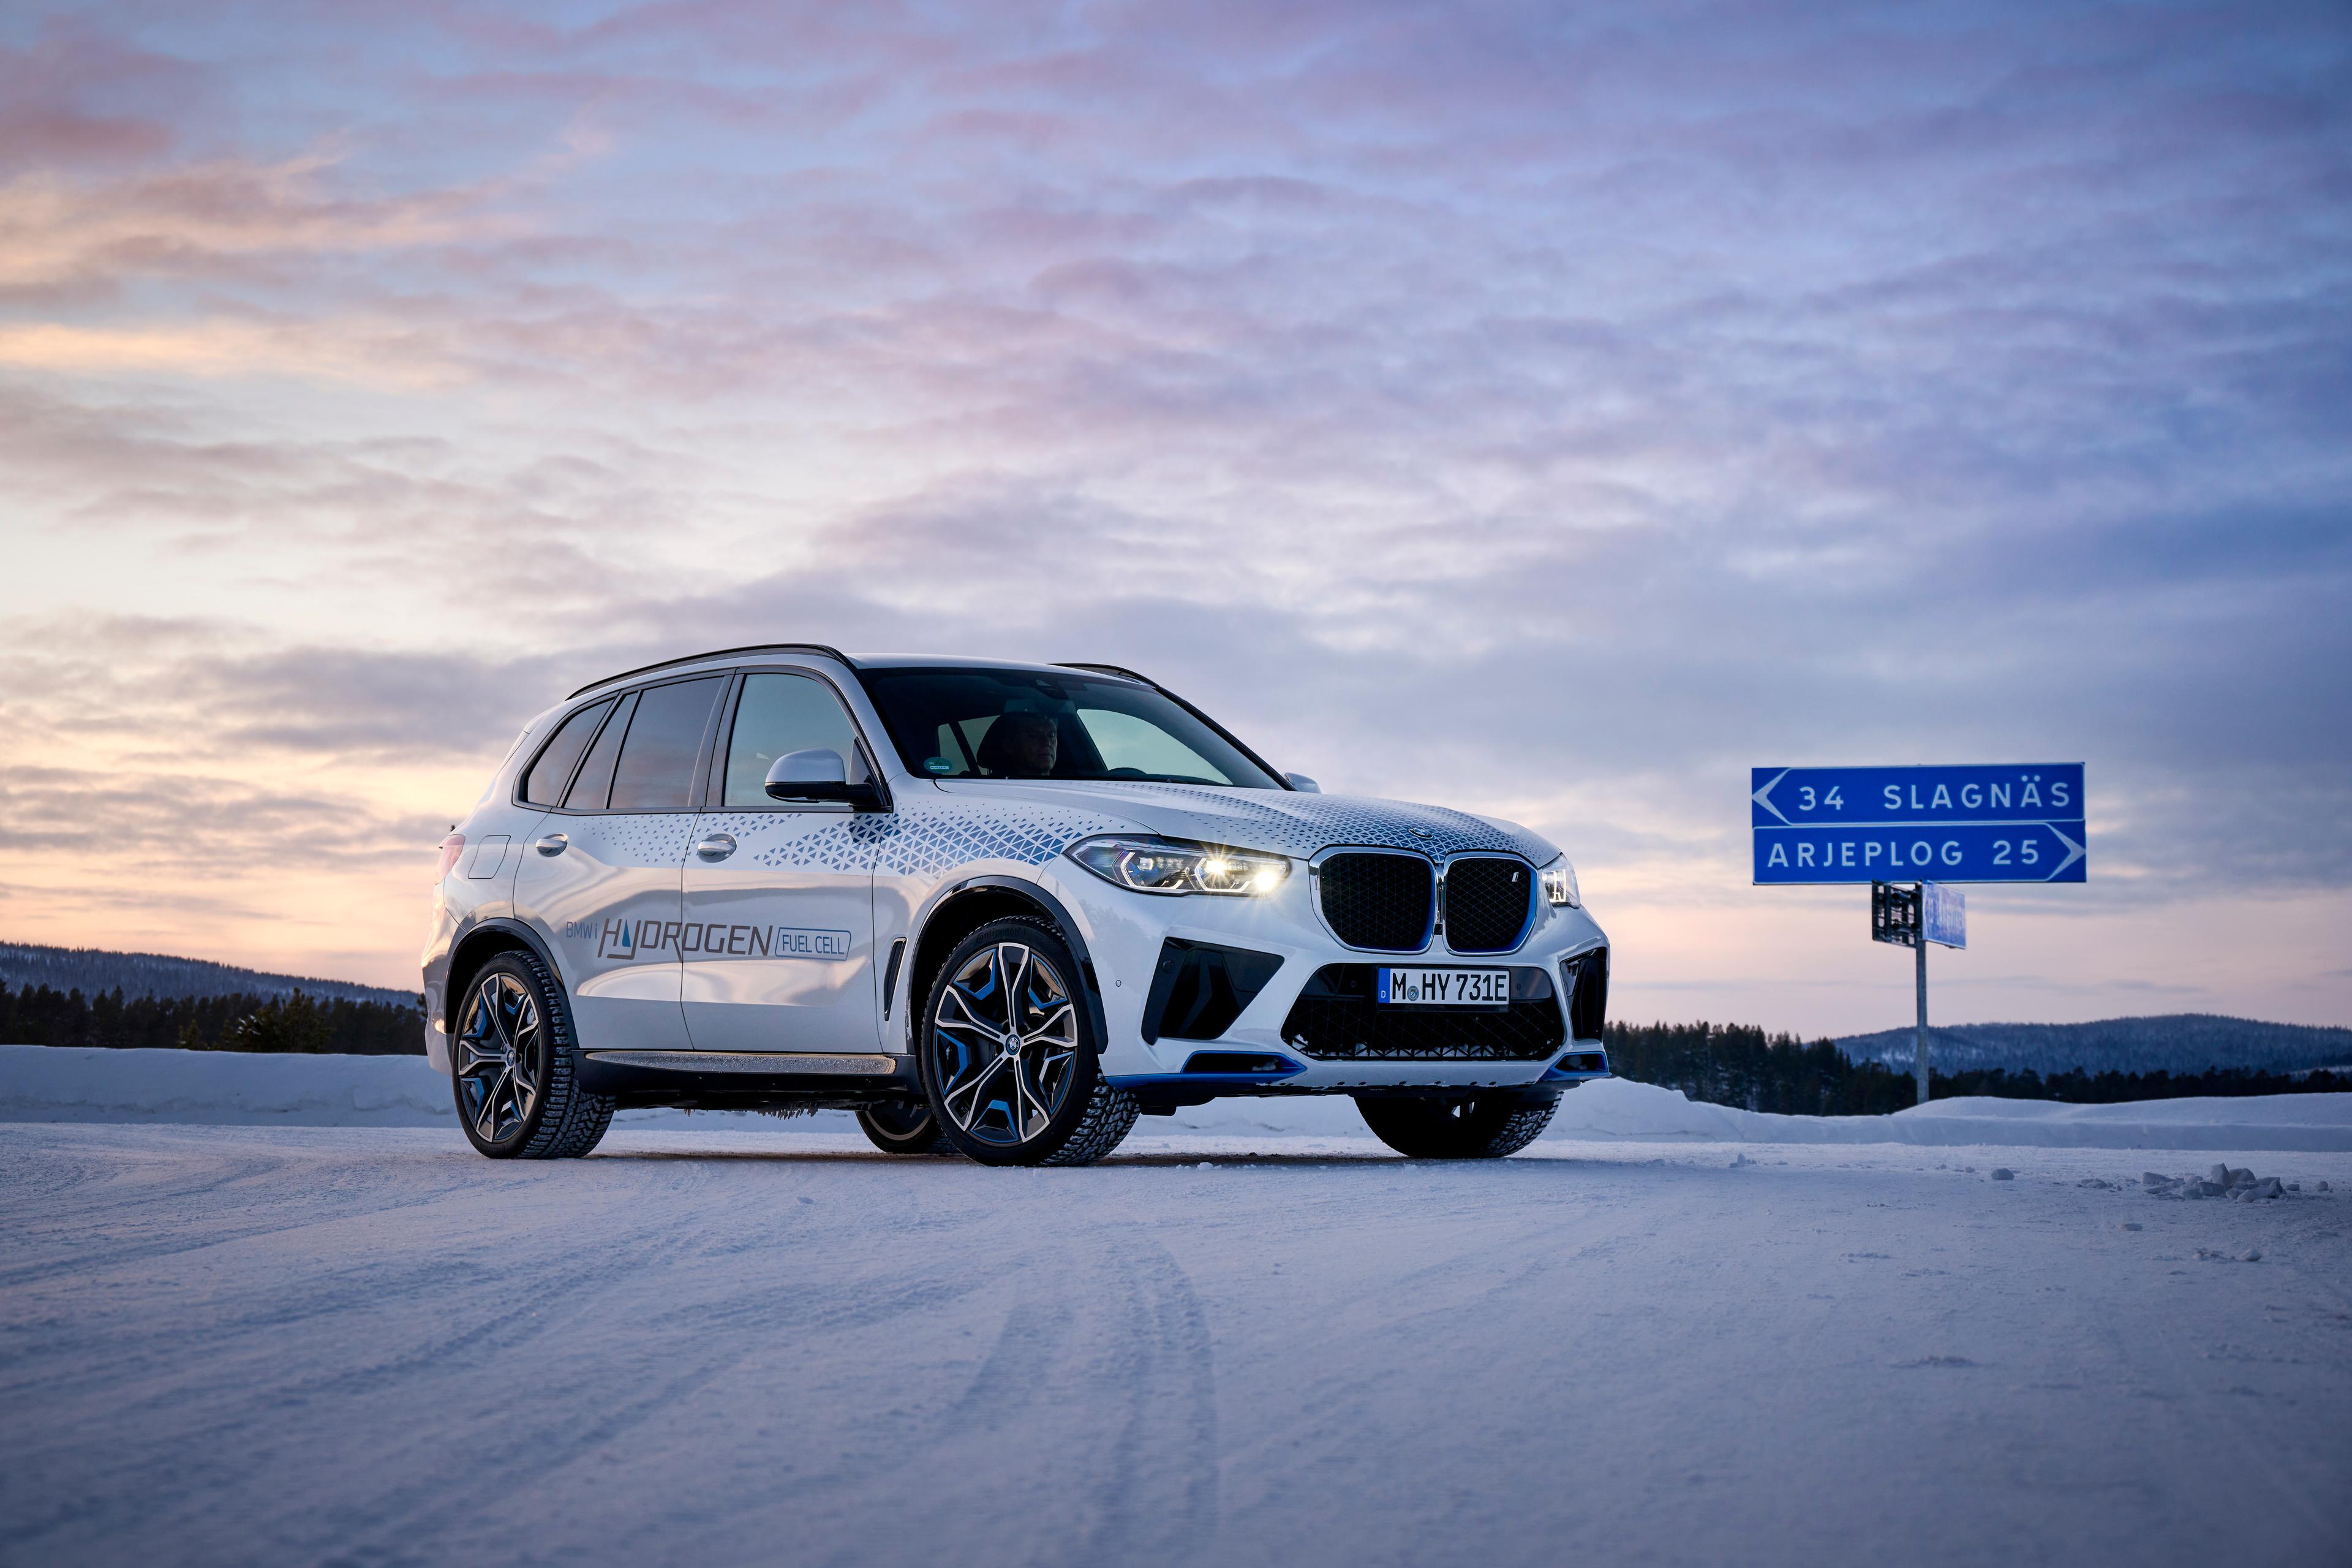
[(1008, 1054), (514, 1066), (1481, 1127), (904, 1127)]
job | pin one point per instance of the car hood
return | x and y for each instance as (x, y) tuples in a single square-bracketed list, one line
[(1281, 821)]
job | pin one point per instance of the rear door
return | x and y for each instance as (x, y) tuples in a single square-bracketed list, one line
[(778, 949), (602, 878)]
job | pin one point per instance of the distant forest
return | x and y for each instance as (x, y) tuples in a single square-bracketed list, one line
[(96, 970), (42, 1015), (1731, 1064)]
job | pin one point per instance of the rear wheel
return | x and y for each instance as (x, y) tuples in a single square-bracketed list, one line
[(904, 1127), (1009, 1058), (513, 1067), (1478, 1127)]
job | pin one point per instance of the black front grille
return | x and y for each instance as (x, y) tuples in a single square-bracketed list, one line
[(1587, 977), (1335, 1019), (1380, 901), (1486, 903)]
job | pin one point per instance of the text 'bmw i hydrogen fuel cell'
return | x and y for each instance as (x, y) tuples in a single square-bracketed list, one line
[(996, 910)]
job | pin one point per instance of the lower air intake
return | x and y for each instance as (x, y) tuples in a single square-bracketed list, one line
[(1335, 1019), (1587, 978)]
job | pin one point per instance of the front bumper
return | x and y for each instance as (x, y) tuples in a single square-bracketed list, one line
[(1124, 933)]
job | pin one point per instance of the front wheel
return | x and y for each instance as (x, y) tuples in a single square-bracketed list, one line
[(1480, 1127), (512, 1066), (1009, 1058)]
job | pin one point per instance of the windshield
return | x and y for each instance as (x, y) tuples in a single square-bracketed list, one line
[(1026, 724)]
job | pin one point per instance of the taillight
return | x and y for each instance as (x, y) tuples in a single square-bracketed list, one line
[(451, 848)]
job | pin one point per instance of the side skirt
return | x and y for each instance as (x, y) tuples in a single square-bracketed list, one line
[(713, 1080)]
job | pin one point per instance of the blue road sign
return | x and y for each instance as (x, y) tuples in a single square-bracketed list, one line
[(1943, 915), (1977, 824)]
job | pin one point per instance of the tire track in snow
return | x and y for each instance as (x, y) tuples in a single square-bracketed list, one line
[(1160, 1499)]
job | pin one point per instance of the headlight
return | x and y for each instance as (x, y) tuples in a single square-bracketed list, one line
[(1175, 866), (1559, 884)]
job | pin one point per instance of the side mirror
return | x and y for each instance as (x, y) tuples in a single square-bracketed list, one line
[(819, 775), (1302, 784)]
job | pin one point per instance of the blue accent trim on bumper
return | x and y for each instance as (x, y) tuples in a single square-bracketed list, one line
[(1199, 1080)]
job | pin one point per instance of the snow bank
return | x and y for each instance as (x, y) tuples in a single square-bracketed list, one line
[(1615, 1108), (1618, 1109), (74, 1083), (69, 1083), (40, 1083)]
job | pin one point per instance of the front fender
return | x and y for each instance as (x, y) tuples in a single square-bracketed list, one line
[(1089, 985)]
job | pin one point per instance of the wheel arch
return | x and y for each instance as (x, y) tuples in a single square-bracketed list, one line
[(971, 904), (481, 944)]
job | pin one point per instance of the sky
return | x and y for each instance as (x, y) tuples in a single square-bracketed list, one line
[(1551, 411)]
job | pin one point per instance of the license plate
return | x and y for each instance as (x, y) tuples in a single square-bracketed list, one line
[(1443, 988)]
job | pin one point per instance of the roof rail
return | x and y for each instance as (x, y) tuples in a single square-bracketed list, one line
[(1112, 670), (720, 653)]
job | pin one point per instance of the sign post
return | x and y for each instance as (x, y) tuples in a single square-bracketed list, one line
[(1985, 822), (1913, 917)]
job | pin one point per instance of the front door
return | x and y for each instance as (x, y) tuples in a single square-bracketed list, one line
[(778, 949), (602, 874)]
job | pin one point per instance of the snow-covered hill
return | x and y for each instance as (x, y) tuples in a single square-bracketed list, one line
[(2175, 1043)]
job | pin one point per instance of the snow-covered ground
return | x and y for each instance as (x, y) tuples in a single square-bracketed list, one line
[(748, 1343)]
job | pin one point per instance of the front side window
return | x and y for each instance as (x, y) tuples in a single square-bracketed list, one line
[(1028, 724), (655, 769), (777, 714)]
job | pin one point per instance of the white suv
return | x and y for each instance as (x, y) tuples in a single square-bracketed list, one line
[(997, 910)]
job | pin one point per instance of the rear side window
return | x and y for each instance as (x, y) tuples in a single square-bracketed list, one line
[(544, 785), (595, 784), (656, 772), (781, 713)]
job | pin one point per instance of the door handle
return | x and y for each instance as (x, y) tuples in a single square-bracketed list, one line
[(553, 844), (718, 847)]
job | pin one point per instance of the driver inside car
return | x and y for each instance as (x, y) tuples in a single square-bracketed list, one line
[(1020, 745)]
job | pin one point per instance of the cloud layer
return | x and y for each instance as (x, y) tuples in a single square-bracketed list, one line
[(1551, 413)]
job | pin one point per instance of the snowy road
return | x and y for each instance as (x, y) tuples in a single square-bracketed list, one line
[(368, 1346)]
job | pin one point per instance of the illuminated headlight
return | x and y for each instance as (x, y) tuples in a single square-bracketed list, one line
[(1176, 866), (1559, 884)]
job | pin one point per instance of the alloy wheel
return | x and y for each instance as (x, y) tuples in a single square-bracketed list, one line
[(501, 1052), (1007, 1034)]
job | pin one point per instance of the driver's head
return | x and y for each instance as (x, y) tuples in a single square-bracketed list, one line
[(1024, 743)]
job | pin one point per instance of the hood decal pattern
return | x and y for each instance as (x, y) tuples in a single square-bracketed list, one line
[(1303, 825)]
